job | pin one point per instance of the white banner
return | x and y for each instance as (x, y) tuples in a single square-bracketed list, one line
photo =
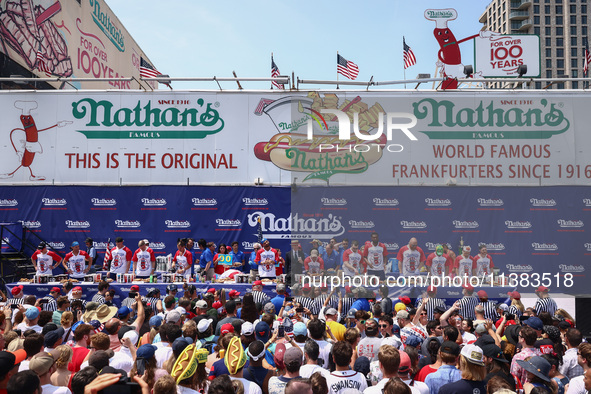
[(357, 138), (500, 55)]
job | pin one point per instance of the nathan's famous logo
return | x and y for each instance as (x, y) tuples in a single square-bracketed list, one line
[(438, 202), (204, 201), (391, 246), (333, 201), (519, 267), (255, 201), (413, 224), (465, 224), (570, 223), (153, 202), (314, 134), (77, 223), (296, 227), (32, 223), (127, 223), (542, 202), (158, 245), (8, 202), (492, 246), (490, 202), (544, 246), (385, 202), (228, 222), (107, 25), (57, 245), (144, 121), (361, 224), (517, 224), (490, 120), (177, 223), (54, 201), (103, 202)]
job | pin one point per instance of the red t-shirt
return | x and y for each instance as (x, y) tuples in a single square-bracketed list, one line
[(426, 370), (77, 358)]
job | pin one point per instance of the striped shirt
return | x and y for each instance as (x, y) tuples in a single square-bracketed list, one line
[(319, 303), (545, 305), (306, 302), (467, 305), (432, 303), (515, 311), (153, 302), (260, 297), (15, 301), (51, 304), (347, 304), (490, 311), (128, 302), (99, 299)]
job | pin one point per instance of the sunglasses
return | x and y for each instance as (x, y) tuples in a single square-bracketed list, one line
[(424, 314), (362, 321), (383, 326)]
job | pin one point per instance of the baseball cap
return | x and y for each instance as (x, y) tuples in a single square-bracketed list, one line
[(201, 304), (257, 283), (51, 338), (351, 313), (293, 355), (204, 325), (216, 305), (480, 328), (173, 316), (542, 289), (8, 360), (405, 300), (473, 354), (55, 290), (94, 323), (278, 357), (247, 328), (482, 294), (468, 287), (262, 331), (413, 341), (405, 363), (300, 329), (146, 351), (132, 335), (403, 314), (32, 313), (119, 239), (494, 352), (330, 311), (77, 288), (439, 309), (16, 289), (439, 250), (42, 362), (514, 294), (181, 310), (179, 345), (123, 311), (269, 308), (450, 347), (155, 321), (211, 290), (226, 328), (396, 330), (134, 288), (41, 246), (234, 293), (535, 323), (75, 243), (172, 287), (399, 306), (48, 327)]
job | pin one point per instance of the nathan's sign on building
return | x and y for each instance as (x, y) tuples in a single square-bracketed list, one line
[(343, 138), (70, 39)]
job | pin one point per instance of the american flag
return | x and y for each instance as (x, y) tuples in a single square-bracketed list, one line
[(147, 70), (262, 104), (275, 74), (260, 232), (408, 54), (587, 57), (41, 63), (346, 68)]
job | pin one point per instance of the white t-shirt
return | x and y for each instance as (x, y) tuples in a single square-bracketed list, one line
[(249, 387), (339, 381), (369, 347), (23, 327), (324, 355), (577, 386), (185, 390), (420, 386), (51, 389), (122, 360), (162, 355), (379, 387), (309, 369)]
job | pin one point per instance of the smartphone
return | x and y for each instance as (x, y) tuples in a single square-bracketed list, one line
[(288, 299), (141, 369), (132, 294), (43, 301), (122, 388), (281, 332), (13, 306), (299, 309)]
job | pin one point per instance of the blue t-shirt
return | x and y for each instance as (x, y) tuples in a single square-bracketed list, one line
[(255, 374), (238, 258), (278, 302), (332, 261), (206, 257), (219, 368), (361, 304)]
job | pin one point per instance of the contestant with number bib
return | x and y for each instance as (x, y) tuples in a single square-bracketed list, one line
[(183, 260), (439, 262), (144, 260), (266, 259), (222, 260), (353, 263), (464, 263), (314, 265), (43, 260), (75, 262), (483, 263), (410, 258), (375, 254), (120, 258)]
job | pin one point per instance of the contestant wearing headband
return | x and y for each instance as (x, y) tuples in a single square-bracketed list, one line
[(255, 371), (189, 371)]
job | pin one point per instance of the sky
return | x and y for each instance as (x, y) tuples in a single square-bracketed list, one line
[(188, 38)]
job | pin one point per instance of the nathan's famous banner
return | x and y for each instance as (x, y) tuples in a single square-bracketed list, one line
[(81, 39), (537, 234), (337, 138)]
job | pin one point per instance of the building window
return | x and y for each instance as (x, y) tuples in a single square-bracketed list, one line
[(538, 85), (575, 73), (559, 41), (584, 30), (560, 63), (548, 73), (573, 9), (559, 20), (536, 20), (547, 9), (559, 31), (573, 52), (548, 41), (573, 41), (548, 52), (583, 9), (583, 19), (574, 63), (537, 30), (575, 84), (547, 20), (559, 52), (559, 10), (560, 73), (573, 21), (548, 30), (548, 63), (560, 85), (536, 9)]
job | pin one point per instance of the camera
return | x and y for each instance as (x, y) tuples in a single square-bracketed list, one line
[(509, 316), (132, 294)]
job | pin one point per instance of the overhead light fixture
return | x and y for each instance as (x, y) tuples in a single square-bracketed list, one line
[(522, 70), (468, 70)]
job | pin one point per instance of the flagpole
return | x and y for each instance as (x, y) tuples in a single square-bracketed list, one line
[(271, 69), (337, 69), (403, 64)]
